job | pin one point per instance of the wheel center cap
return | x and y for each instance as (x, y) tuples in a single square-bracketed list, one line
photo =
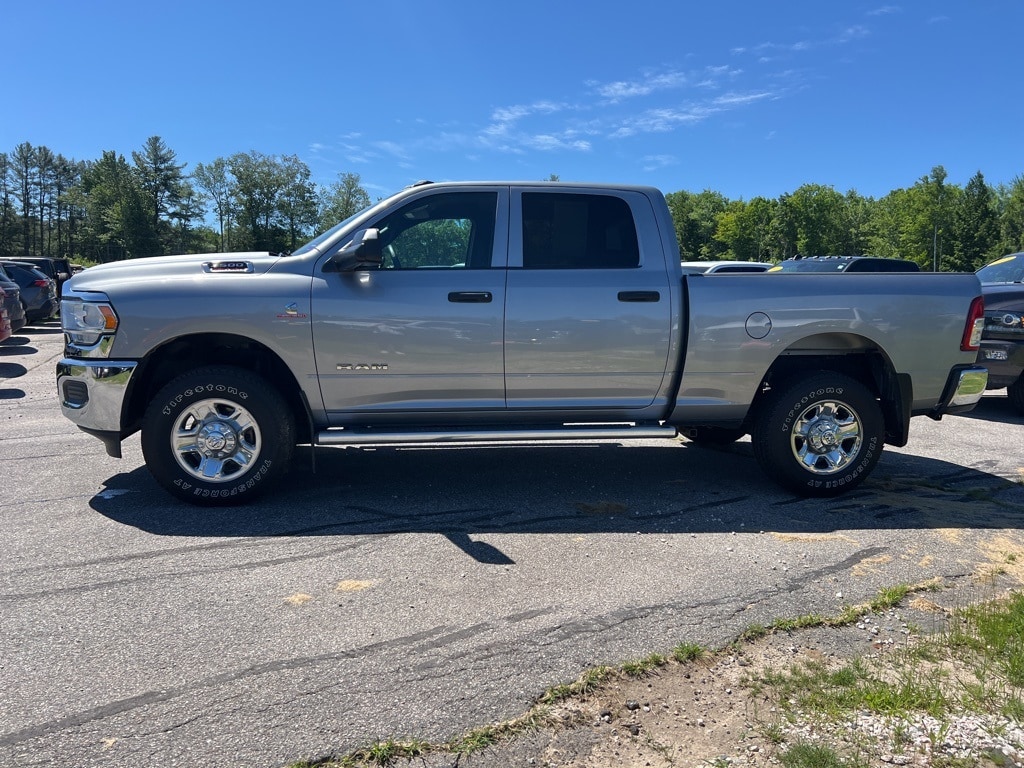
[(217, 439), (824, 437)]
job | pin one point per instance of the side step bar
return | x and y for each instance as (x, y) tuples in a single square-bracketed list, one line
[(570, 432)]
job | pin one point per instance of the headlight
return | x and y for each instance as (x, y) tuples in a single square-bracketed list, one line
[(1012, 322), (86, 322)]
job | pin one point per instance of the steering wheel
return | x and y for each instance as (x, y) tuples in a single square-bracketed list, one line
[(389, 253)]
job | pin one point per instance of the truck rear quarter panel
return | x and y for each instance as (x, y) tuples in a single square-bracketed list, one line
[(740, 324)]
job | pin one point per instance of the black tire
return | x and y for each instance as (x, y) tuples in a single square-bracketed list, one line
[(1016, 394), (819, 435), (713, 435), (218, 436)]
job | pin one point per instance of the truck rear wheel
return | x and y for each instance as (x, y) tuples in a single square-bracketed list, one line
[(820, 435), (217, 436)]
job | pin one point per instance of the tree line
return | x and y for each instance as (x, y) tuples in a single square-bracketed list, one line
[(110, 209), (941, 226)]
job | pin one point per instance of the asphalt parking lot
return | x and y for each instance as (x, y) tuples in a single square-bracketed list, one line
[(418, 592)]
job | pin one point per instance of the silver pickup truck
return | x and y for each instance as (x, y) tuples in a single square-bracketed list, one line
[(462, 312)]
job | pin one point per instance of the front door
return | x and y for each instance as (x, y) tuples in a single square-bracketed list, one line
[(424, 332)]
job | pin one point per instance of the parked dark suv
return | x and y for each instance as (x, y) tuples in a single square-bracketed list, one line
[(845, 264), (58, 270), (38, 292), (12, 302), (1002, 341)]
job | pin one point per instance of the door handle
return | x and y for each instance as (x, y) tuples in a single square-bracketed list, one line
[(470, 297), (639, 296)]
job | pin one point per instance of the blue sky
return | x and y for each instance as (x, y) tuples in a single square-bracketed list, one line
[(743, 98)]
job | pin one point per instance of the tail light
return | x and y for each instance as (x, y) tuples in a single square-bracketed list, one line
[(40, 283), (975, 325)]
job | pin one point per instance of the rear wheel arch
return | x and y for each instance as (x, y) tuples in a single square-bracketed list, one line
[(871, 367)]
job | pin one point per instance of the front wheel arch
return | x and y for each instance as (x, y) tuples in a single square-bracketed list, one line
[(188, 353)]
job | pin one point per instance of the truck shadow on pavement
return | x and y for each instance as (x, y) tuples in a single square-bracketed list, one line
[(995, 408), (463, 491)]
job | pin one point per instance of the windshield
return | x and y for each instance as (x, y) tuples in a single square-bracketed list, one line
[(319, 240), (810, 265), (315, 243), (1009, 269)]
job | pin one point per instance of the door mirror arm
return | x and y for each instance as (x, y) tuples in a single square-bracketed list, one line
[(362, 252)]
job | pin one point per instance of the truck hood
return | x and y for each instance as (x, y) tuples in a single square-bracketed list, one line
[(204, 265)]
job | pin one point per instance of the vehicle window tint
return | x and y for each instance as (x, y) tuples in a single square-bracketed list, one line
[(565, 231), (1009, 269), (448, 230)]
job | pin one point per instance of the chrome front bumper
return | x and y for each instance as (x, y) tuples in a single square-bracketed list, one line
[(92, 392)]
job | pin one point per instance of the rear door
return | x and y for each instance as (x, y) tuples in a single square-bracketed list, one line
[(588, 310)]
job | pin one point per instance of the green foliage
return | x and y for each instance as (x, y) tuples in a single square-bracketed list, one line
[(1011, 219), (685, 652), (975, 227), (806, 755), (345, 198), (216, 189), (587, 683), (116, 221), (696, 220), (889, 597), (745, 229), (644, 666), (107, 209), (165, 191), (997, 630)]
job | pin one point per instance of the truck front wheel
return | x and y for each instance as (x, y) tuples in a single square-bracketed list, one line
[(820, 435), (217, 436)]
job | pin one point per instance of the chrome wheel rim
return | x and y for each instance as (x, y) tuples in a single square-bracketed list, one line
[(826, 437), (215, 440)]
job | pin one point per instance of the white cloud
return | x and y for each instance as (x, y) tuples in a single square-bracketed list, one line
[(650, 83), (657, 162), (741, 99), (662, 120), (392, 148), (853, 33), (506, 134)]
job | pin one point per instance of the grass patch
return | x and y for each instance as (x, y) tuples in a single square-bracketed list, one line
[(817, 756), (975, 664), (644, 666), (685, 653), (587, 683)]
